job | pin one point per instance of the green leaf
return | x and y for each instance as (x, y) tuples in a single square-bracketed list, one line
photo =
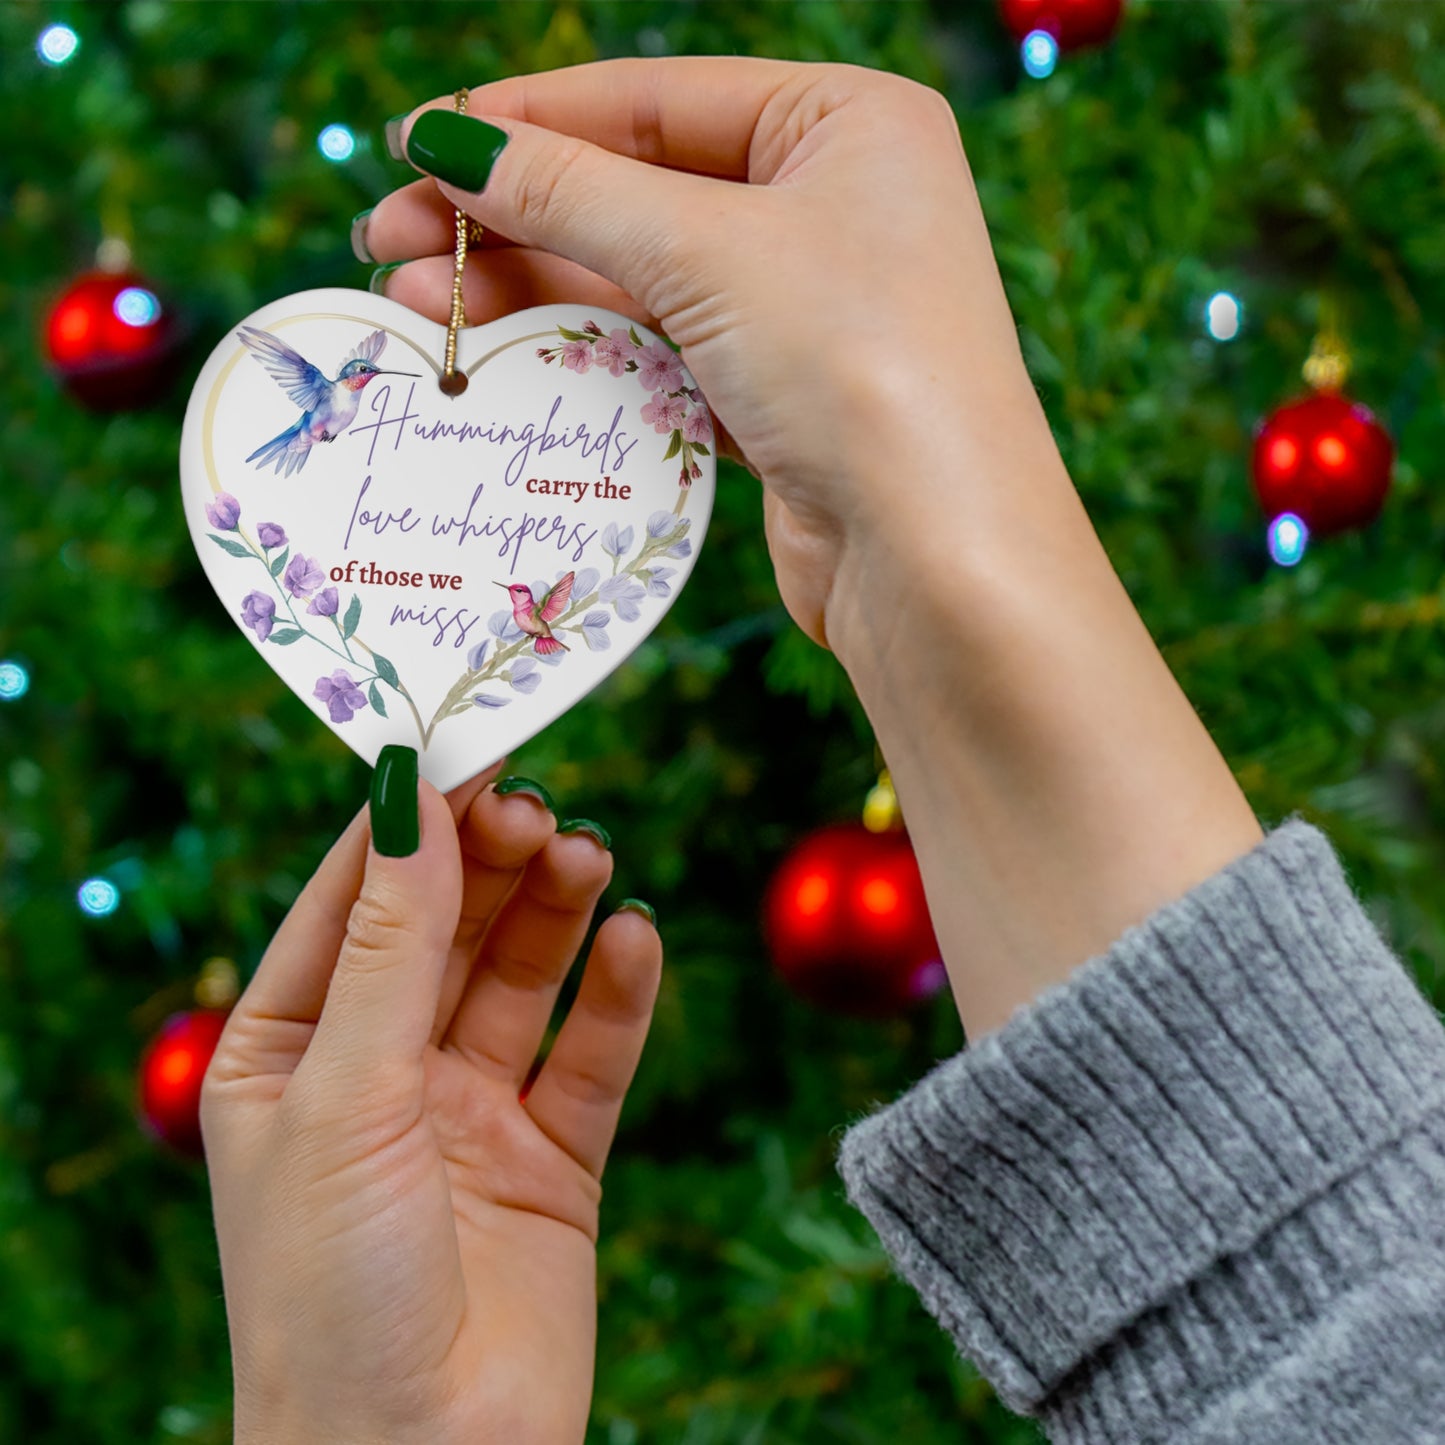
[(572, 335), (385, 671), (700, 449), (673, 447), (234, 548), (353, 616), (279, 561), (285, 636), (633, 336), (374, 693)]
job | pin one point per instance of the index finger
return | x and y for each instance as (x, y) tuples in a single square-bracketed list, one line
[(689, 113)]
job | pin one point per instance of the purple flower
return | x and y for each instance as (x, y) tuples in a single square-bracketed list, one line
[(340, 694), (584, 582), (577, 356), (624, 593), (655, 580), (258, 612), (224, 512), (523, 675), (482, 700), (476, 656), (667, 524), (615, 543), (502, 627), (614, 351), (679, 549), (658, 368), (697, 426), (664, 412), (303, 576), (594, 631), (324, 603), (272, 534)]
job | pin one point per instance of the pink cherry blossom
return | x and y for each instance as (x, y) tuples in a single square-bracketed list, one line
[(658, 367), (576, 356), (664, 412), (614, 351), (697, 427)]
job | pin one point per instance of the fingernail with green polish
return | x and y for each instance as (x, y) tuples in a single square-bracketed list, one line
[(586, 825), (359, 248), (526, 785), (455, 148), (377, 284), (636, 905), (395, 820), (393, 136)]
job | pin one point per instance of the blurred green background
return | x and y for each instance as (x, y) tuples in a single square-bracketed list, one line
[(1292, 154)]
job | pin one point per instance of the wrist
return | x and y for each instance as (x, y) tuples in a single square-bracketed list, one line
[(1057, 784)]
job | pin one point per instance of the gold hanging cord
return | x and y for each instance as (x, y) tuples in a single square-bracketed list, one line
[(452, 381)]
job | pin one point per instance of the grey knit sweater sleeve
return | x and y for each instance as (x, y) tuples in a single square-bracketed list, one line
[(1197, 1191)]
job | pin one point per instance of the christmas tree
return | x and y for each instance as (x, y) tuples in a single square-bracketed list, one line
[(164, 794)]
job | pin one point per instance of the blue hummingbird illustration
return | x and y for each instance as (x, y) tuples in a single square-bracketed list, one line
[(327, 407)]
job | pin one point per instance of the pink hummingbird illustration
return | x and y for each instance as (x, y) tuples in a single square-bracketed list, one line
[(536, 615)]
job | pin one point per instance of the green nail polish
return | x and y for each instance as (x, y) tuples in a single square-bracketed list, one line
[(526, 785), (392, 132), (395, 821), (636, 905), (377, 284), (455, 148), (586, 825), (359, 248)]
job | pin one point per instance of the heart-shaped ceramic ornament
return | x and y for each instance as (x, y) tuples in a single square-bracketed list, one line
[(451, 573)]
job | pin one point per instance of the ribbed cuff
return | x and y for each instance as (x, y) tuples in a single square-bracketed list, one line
[(1135, 1189)]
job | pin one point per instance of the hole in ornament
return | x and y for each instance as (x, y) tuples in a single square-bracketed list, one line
[(452, 383)]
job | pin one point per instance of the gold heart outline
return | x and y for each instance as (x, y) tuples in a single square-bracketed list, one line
[(213, 401)]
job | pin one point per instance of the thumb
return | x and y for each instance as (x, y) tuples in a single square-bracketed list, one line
[(637, 225), (382, 999)]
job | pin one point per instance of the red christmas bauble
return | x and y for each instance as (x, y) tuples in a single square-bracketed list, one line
[(1073, 23), (847, 923), (171, 1071), (1324, 458), (111, 341)]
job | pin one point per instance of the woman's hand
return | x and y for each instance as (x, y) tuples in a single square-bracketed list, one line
[(408, 1249), (809, 235), (811, 238)]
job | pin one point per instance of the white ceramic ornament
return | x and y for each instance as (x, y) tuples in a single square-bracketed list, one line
[(358, 524)]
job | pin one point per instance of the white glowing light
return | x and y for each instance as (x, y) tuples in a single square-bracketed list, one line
[(57, 44), (98, 897), (1288, 537), (1040, 52), (336, 143), (14, 681), (1223, 316), (137, 307)]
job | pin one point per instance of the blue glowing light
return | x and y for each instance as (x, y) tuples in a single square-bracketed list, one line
[(14, 681), (137, 307), (1040, 52), (1223, 316), (336, 143), (1288, 537), (57, 44), (98, 897)]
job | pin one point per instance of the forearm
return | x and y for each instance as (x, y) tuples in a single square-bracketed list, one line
[(1056, 782)]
